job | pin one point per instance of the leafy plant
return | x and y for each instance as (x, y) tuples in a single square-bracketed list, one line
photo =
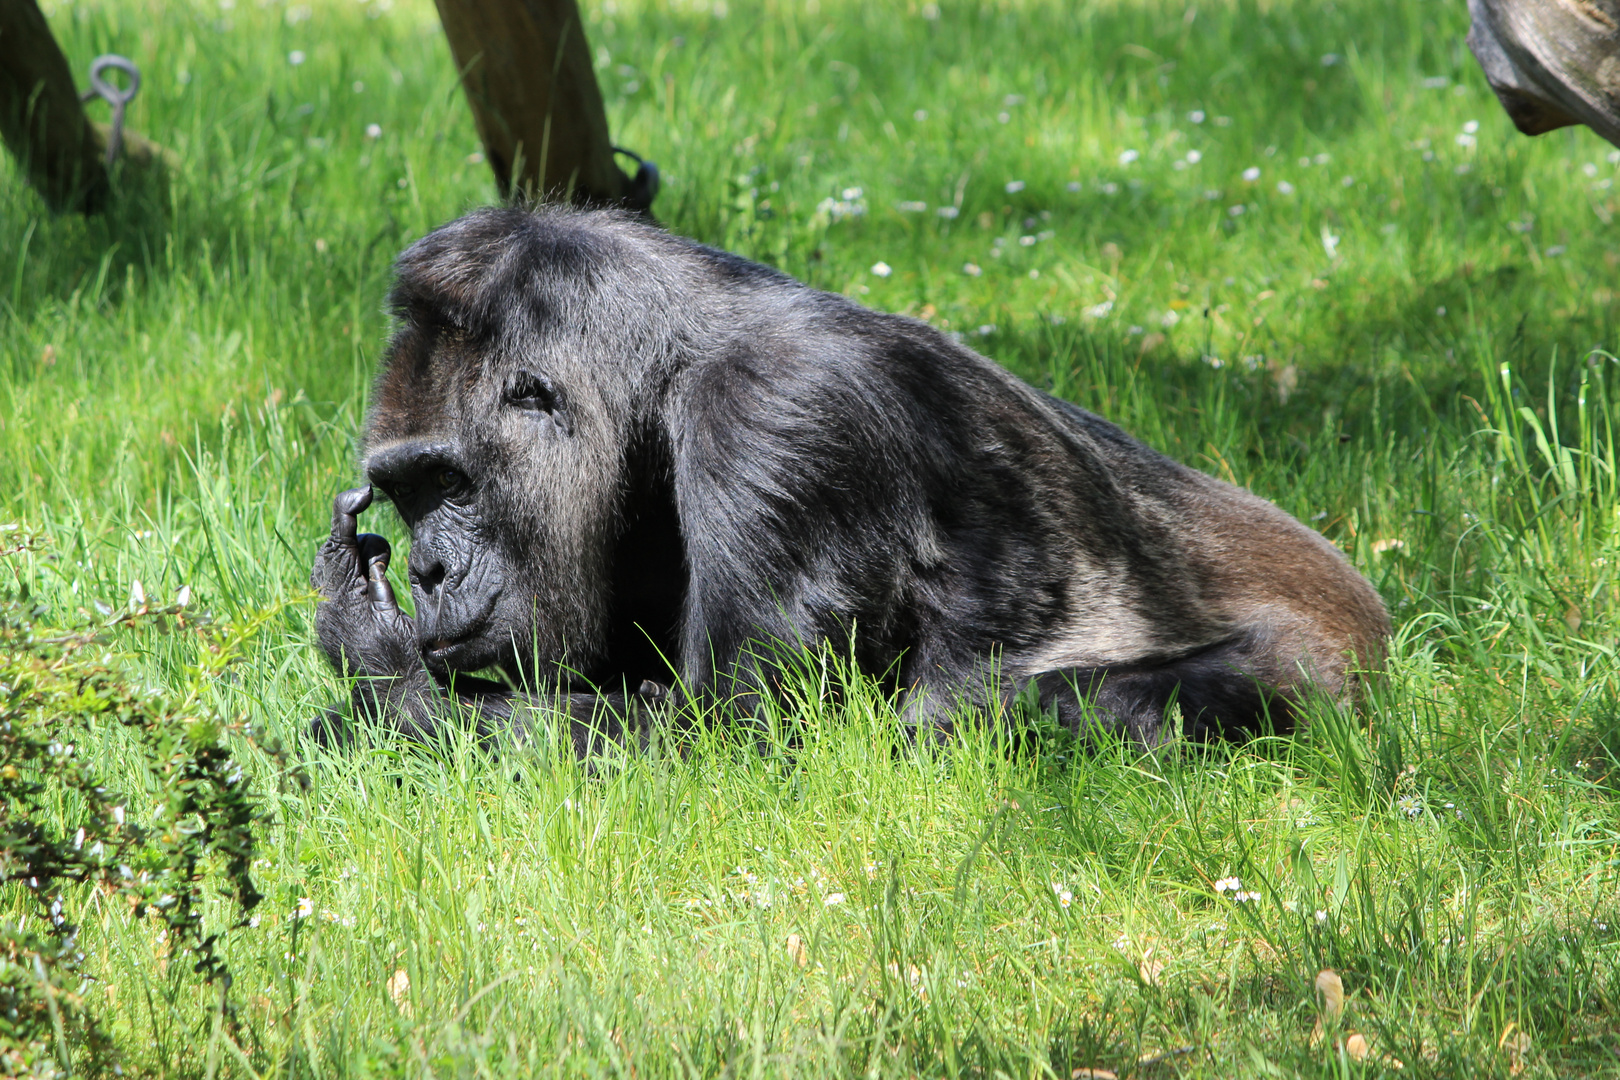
[(62, 826)]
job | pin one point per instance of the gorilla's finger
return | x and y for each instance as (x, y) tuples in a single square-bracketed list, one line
[(374, 555), (344, 509)]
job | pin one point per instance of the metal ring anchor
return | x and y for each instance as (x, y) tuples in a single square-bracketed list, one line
[(118, 99), (644, 185)]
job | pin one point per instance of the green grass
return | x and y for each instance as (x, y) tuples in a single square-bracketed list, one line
[(181, 383)]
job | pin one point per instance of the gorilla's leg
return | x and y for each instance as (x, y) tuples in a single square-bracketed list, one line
[(1216, 691)]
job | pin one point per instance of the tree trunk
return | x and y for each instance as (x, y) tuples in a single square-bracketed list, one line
[(1552, 63), (526, 67), (41, 119)]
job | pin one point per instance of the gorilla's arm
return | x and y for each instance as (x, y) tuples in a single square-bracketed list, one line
[(368, 638)]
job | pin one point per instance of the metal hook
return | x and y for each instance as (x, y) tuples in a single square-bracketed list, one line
[(644, 185), (118, 99)]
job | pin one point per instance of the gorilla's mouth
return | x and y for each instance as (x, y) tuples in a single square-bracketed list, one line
[(464, 646)]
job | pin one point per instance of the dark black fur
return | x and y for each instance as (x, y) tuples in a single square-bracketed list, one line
[(623, 456)]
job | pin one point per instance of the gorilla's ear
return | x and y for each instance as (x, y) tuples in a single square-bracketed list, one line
[(533, 392), (539, 394)]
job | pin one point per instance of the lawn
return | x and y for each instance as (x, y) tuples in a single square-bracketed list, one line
[(1297, 245)]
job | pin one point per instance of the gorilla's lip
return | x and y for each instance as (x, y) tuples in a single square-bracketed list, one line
[(462, 639)]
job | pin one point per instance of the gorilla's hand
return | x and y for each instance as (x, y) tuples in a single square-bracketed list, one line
[(358, 622)]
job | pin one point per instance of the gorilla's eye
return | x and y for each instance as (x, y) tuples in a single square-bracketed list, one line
[(533, 392), (450, 479)]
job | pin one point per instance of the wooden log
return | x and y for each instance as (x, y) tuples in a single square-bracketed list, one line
[(526, 68), (41, 119), (1552, 63)]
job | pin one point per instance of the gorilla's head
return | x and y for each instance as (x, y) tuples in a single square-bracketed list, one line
[(514, 417)]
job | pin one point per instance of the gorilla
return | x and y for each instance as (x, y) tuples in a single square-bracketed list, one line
[(628, 461)]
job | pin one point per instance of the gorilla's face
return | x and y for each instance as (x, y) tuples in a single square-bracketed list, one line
[(466, 614), (503, 475)]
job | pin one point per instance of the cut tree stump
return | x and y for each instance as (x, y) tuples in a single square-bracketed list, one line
[(1552, 63), (526, 68), (41, 119)]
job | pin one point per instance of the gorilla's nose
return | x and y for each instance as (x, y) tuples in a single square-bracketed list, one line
[(429, 574)]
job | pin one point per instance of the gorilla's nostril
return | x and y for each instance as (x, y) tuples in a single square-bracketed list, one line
[(430, 577)]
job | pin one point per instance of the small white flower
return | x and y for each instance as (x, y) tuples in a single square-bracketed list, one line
[(1236, 211), (118, 814), (852, 193), (1321, 915), (373, 131), (1014, 186), (1466, 140), (1097, 311), (1555, 251), (1026, 241), (305, 908), (920, 115), (911, 206), (1284, 187), (183, 597), (832, 899), (1196, 116), (972, 269), (986, 330), (949, 213), (1330, 243), (1471, 127), (1110, 188), (882, 269), (1003, 117), (295, 57), (1170, 319), (1194, 157), (1252, 173), (1228, 884), (1329, 59), (1128, 156)]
